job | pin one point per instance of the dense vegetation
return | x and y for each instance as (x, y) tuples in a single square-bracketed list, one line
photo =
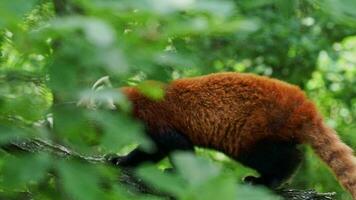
[(52, 52)]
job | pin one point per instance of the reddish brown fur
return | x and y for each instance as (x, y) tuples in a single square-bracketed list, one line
[(231, 112)]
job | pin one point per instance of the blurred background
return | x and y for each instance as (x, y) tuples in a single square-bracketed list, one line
[(53, 51)]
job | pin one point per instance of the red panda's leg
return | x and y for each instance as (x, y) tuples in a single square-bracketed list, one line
[(165, 142), (274, 161)]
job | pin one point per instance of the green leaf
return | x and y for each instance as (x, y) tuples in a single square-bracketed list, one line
[(167, 182), (152, 89), (342, 10), (195, 170), (119, 131), (79, 180), (255, 193), (23, 170), (220, 187), (12, 11), (97, 31)]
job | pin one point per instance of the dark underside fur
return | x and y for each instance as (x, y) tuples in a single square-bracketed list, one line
[(274, 161)]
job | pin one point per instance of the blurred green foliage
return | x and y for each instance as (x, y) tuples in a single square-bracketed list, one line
[(52, 52)]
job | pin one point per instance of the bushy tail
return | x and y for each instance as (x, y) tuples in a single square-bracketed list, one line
[(337, 155)]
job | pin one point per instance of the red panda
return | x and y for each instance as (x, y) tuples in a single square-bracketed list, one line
[(255, 120)]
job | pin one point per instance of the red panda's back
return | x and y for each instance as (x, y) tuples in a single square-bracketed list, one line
[(231, 111)]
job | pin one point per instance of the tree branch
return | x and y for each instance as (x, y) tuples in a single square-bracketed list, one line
[(292, 194)]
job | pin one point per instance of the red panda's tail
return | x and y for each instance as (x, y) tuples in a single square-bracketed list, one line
[(337, 155)]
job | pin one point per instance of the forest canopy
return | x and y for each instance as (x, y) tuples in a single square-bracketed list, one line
[(52, 52)]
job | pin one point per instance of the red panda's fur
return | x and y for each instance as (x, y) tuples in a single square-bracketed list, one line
[(231, 112)]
